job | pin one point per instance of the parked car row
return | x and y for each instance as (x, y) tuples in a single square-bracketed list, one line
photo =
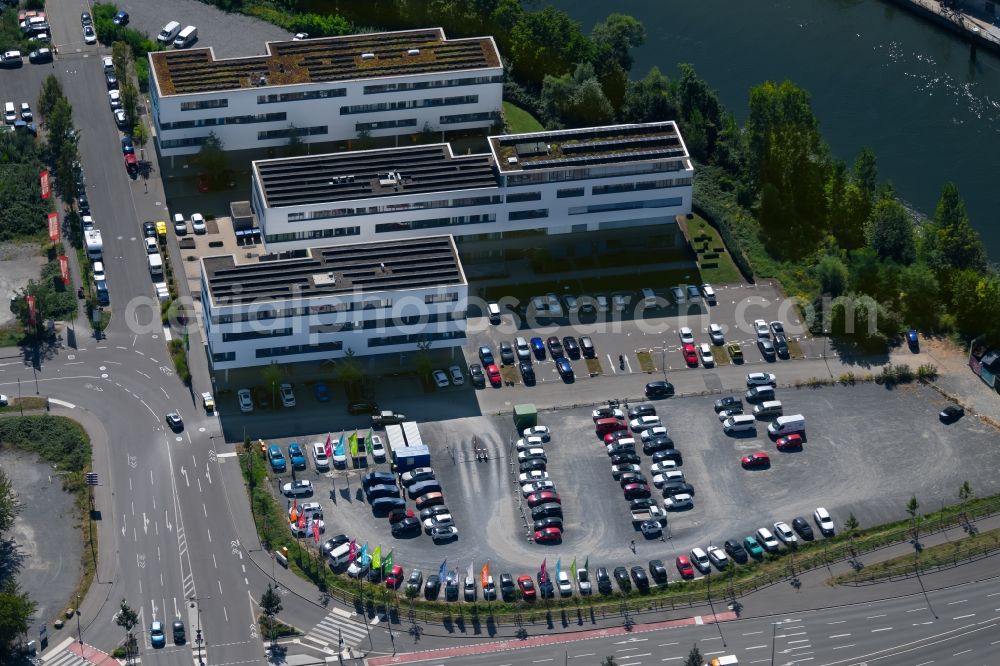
[(538, 491), (553, 307)]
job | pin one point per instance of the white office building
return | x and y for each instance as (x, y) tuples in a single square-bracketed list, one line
[(559, 182), (330, 302), (327, 89)]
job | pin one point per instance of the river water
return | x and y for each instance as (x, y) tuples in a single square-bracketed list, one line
[(878, 75)]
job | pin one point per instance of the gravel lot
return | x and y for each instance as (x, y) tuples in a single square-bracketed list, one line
[(868, 450), (19, 262)]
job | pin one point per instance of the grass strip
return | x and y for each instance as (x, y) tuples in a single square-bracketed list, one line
[(645, 360)]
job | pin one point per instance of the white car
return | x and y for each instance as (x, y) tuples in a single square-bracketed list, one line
[(357, 568), (535, 486), (438, 520), (320, 460), (529, 443), (619, 302), (761, 379), (663, 467), (3, 400), (457, 378), (246, 400), (287, 396), (441, 379), (667, 476), (198, 223), (678, 294), (533, 475), (644, 423), (378, 449), (678, 501), (151, 247), (716, 334), (299, 36), (26, 114), (705, 351), (298, 488), (564, 584), (300, 532), (444, 532), (653, 433), (767, 540), (726, 413), (823, 521), (699, 558), (120, 118), (98, 269), (9, 114), (583, 581), (89, 36), (785, 533), (608, 413), (87, 222), (709, 293), (531, 453), (718, 557), (760, 327), (115, 99), (538, 431), (687, 337)]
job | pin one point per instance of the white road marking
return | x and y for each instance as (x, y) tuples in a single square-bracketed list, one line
[(837, 622), (954, 655), (752, 647), (875, 631), (749, 633), (959, 617), (833, 636), (920, 624), (231, 454), (870, 617), (915, 610), (841, 647), (960, 601), (62, 403)]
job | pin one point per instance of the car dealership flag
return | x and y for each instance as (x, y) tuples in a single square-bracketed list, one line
[(352, 551), (64, 268), (543, 574), (328, 447), (302, 521), (484, 574), (444, 563), (353, 439), (387, 562), (572, 568), (369, 443), (377, 557), (45, 183), (316, 531), (468, 573), (558, 567), (339, 451), (364, 553), (53, 219), (586, 564)]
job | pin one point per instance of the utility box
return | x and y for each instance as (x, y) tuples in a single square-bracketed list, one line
[(525, 416)]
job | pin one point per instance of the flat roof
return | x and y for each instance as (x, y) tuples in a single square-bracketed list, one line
[(588, 146), (346, 269), (314, 179), (368, 56)]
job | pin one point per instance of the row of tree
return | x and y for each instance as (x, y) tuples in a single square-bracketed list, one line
[(16, 607)]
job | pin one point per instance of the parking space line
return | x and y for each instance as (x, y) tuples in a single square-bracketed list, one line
[(612, 365)]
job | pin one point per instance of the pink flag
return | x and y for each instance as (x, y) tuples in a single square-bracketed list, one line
[(352, 553), (302, 521), (543, 575), (328, 449), (316, 531)]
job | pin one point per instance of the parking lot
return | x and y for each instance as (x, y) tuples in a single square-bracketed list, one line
[(868, 450)]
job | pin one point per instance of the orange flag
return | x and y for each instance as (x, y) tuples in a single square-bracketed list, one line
[(484, 574)]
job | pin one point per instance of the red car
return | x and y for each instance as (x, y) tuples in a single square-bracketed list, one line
[(527, 586), (543, 497), (636, 491), (613, 437), (755, 460), (131, 165), (548, 535), (684, 567), (493, 372), (690, 355), (395, 577), (789, 442), (397, 515)]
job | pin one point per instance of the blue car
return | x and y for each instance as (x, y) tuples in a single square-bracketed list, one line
[(565, 369), (322, 392), (538, 346), (156, 637), (486, 355), (912, 340), (297, 457), (276, 458)]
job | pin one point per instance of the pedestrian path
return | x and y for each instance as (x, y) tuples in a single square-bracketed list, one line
[(70, 652), (337, 631)]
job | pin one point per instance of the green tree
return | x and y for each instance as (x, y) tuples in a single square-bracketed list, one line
[(10, 504), (974, 301), (121, 57), (648, 99), (295, 145), (951, 243), (890, 232), (864, 173), (851, 524), (577, 99), (139, 135), (861, 319), (50, 92), (16, 610), (127, 618), (912, 508), (965, 492), (694, 657), (272, 374), (613, 39), (211, 159), (702, 115), (920, 300), (546, 42), (832, 275), (349, 372), (270, 605), (130, 102)]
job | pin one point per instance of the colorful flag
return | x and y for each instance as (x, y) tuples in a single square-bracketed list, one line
[(387, 563), (316, 531), (444, 563), (353, 551), (572, 569), (53, 220), (484, 574), (364, 553), (558, 567), (328, 447), (64, 268), (543, 574), (293, 517), (369, 443), (302, 521), (377, 557), (468, 573), (353, 439), (586, 564), (339, 451)]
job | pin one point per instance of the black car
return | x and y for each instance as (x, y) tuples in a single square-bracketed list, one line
[(148, 229), (766, 348), (658, 572), (486, 355), (951, 413), (40, 56), (551, 521), (532, 464), (641, 410), (377, 479), (603, 581), (545, 587), (550, 510), (175, 422), (362, 407), (640, 578), (112, 80), (735, 550), (659, 389), (781, 345), (802, 528), (506, 353), (121, 18), (506, 587), (626, 457), (477, 375), (555, 347), (407, 526), (179, 633), (729, 402), (631, 477), (641, 503), (450, 587), (572, 349), (621, 577), (86, 19), (668, 454), (527, 373), (672, 488), (432, 587), (128, 148), (335, 541), (83, 203), (657, 444), (587, 346)]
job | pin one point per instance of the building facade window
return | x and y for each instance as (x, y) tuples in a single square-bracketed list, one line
[(302, 96), (318, 233), (441, 298), (455, 119), (289, 131), (408, 104), (640, 186), (328, 213), (223, 357), (593, 173), (205, 104), (528, 214), (414, 338), (390, 227), (385, 124), (626, 205), (439, 83), (228, 120), (255, 335), (569, 192), (524, 196), (182, 143), (268, 352)]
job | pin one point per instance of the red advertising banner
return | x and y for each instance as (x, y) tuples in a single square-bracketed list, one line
[(32, 312), (64, 268), (46, 187), (53, 227)]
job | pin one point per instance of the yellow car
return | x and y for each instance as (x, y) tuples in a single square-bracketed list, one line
[(161, 231), (735, 352), (208, 401)]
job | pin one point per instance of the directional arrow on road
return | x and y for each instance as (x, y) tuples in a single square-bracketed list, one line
[(145, 523), (208, 473), (185, 475), (253, 630), (166, 516)]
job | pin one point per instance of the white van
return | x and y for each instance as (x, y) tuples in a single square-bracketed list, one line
[(760, 394), (168, 33), (767, 409), (340, 555), (784, 425), (739, 423), (155, 265), (648, 298), (186, 37), (493, 310)]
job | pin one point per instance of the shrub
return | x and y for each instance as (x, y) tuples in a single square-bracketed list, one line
[(927, 372)]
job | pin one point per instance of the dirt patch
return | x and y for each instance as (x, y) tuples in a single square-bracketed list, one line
[(19, 262)]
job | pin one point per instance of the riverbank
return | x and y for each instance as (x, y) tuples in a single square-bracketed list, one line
[(977, 31)]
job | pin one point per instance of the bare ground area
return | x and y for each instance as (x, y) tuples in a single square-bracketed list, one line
[(19, 262), (958, 380)]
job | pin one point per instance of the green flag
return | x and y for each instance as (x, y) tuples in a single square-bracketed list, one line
[(572, 568), (586, 564), (387, 563), (368, 443), (353, 440)]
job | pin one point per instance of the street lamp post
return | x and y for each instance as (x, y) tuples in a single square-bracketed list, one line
[(79, 631)]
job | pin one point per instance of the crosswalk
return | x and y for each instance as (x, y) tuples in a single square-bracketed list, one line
[(72, 653), (337, 626)]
